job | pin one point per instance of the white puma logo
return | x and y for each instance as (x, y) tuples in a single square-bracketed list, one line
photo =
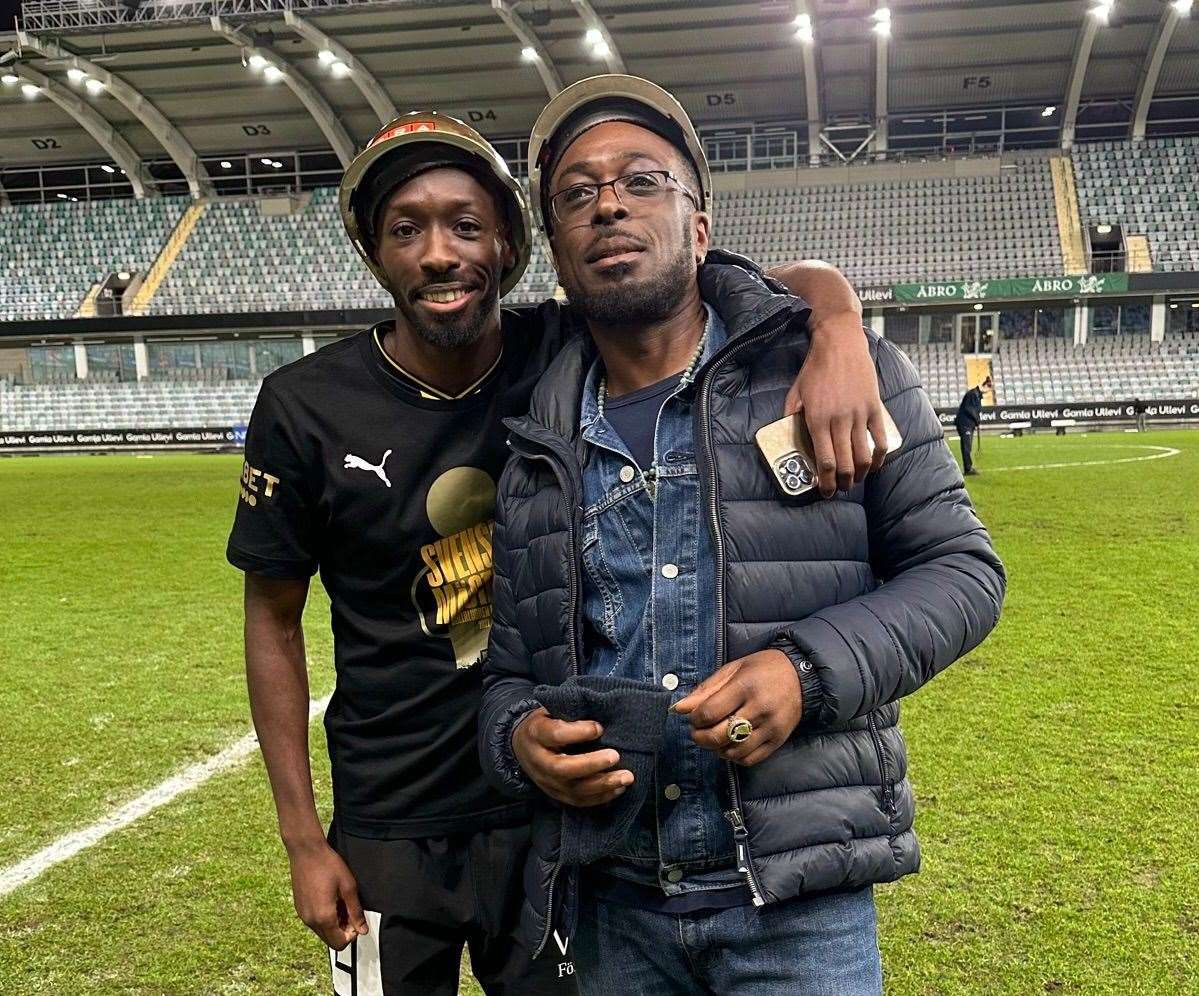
[(357, 463)]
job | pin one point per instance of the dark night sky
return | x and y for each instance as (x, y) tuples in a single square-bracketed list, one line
[(8, 11)]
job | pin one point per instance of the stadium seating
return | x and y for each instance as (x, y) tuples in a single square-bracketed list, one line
[(51, 254), (941, 371), (150, 404), (1148, 188), (239, 259), (1039, 371), (896, 231)]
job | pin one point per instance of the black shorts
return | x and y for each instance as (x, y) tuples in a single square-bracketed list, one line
[(427, 897)]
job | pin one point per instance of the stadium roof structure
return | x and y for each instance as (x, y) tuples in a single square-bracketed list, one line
[(181, 79)]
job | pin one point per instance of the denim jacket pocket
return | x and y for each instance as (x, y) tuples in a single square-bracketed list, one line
[(603, 584)]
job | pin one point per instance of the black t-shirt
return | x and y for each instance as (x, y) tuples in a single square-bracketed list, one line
[(391, 495)]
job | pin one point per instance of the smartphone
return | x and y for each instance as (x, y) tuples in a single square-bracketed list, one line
[(787, 448)]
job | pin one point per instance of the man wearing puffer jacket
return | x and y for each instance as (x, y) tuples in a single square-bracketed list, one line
[(645, 556)]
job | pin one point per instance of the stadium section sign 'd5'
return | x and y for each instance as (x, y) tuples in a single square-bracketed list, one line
[(1023, 288)]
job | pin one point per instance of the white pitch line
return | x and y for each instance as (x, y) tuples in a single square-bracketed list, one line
[(1166, 451), (193, 776)]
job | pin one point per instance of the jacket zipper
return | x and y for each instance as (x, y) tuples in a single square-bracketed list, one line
[(574, 650), (883, 765), (745, 863)]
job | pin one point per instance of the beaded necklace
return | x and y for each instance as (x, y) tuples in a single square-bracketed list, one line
[(650, 477)]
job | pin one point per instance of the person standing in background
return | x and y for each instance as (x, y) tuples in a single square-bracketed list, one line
[(966, 421)]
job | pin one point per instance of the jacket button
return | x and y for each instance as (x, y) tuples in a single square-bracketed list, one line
[(674, 875), (670, 681), (805, 666), (672, 792), (627, 474), (670, 571)]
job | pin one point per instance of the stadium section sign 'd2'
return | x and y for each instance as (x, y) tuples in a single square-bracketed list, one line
[(1019, 287)]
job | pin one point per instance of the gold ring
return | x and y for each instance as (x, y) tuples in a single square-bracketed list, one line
[(739, 730)]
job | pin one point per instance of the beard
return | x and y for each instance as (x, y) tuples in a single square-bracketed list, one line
[(622, 302), (454, 331)]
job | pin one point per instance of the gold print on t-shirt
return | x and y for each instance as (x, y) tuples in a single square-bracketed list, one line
[(460, 506)]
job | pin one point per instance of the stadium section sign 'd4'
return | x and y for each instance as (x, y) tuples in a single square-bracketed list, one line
[(947, 292)]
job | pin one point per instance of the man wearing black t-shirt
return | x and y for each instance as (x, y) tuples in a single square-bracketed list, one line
[(374, 461)]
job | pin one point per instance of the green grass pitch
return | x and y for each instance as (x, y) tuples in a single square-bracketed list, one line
[(1056, 767)]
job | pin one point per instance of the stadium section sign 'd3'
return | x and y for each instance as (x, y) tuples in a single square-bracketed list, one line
[(1023, 288)]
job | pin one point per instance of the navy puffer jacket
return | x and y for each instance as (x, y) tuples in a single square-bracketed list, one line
[(870, 594)]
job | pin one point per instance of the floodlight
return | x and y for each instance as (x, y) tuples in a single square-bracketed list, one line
[(528, 53), (340, 69), (1049, 111), (601, 51), (882, 22), (803, 29), (272, 73), (266, 162), (256, 61), (30, 90), (94, 87), (76, 75), (326, 56), (1183, 6), (593, 36), (8, 79), (107, 168), (124, 275), (225, 164)]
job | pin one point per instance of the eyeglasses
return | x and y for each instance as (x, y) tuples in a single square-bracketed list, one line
[(575, 202)]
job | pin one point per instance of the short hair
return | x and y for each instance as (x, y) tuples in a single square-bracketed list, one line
[(689, 175)]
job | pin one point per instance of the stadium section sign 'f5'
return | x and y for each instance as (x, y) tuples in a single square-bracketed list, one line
[(944, 292)]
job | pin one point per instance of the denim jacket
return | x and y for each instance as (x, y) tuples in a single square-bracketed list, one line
[(648, 597)]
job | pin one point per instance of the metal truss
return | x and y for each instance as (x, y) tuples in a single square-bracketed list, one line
[(1083, 44), (80, 16), (312, 99), (811, 81), (544, 63), (99, 127), (168, 136), (596, 23), (1151, 69), (367, 84)]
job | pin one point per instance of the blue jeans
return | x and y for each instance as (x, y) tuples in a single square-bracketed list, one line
[(803, 947)]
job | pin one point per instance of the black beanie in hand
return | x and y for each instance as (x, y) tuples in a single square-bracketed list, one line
[(633, 715)]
